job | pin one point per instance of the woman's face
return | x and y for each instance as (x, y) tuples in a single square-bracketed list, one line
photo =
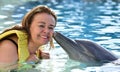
[(42, 28)]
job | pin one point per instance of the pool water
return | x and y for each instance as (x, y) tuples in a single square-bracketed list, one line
[(97, 20)]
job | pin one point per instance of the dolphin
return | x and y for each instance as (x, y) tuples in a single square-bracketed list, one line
[(84, 51)]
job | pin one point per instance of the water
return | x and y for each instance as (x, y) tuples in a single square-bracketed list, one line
[(97, 20)]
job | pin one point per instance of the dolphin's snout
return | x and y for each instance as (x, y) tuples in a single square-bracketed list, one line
[(54, 34)]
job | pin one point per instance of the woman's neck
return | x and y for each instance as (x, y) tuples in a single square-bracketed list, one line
[(32, 47)]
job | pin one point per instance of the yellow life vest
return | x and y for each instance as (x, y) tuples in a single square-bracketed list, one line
[(23, 52)]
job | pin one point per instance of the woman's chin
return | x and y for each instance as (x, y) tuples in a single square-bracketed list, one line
[(44, 43)]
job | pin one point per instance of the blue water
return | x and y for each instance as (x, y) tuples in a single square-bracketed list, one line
[(97, 20)]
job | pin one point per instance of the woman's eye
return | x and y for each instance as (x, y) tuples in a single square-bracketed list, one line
[(41, 26), (51, 28)]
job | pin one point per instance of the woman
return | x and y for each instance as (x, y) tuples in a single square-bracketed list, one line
[(21, 43)]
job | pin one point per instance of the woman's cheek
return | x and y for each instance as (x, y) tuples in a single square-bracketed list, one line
[(50, 36)]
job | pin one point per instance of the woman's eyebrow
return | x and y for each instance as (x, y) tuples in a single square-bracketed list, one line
[(45, 23), (52, 25)]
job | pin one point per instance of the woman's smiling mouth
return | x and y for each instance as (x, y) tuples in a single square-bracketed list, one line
[(45, 37)]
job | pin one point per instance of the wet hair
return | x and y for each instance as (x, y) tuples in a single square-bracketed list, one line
[(28, 18)]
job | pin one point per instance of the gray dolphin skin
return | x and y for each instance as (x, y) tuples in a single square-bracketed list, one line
[(84, 51)]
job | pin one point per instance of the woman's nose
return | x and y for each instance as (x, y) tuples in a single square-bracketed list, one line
[(46, 30)]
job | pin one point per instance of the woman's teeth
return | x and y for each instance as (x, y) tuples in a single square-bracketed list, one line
[(44, 36)]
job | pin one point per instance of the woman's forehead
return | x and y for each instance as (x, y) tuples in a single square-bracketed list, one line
[(44, 17)]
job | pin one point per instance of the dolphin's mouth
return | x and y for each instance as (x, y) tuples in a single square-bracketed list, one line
[(58, 35), (60, 38), (55, 33), (63, 41)]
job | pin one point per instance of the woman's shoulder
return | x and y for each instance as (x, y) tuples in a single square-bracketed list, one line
[(8, 51), (7, 43), (10, 41)]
